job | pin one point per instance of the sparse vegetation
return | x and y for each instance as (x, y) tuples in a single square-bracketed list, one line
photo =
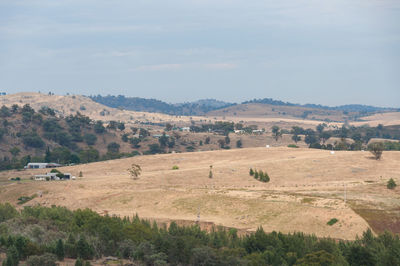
[(259, 175), (292, 146), (175, 167), (25, 199), (391, 184), (332, 221)]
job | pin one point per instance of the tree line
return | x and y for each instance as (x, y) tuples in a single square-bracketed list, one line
[(41, 233)]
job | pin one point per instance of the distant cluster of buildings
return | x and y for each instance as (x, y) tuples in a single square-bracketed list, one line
[(49, 176), (41, 165), (53, 176)]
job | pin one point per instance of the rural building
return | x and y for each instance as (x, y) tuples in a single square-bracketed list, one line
[(258, 131), (53, 176), (41, 165), (239, 132), (157, 136), (219, 132), (185, 129)]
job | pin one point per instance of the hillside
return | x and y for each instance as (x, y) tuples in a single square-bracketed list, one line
[(70, 104), (30, 136), (199, 107), (362, 109), (304, 193), (261, 111)]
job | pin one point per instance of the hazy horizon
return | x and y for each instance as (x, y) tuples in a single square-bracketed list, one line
[(335, 53)]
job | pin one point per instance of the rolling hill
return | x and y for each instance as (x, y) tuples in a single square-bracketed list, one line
[(306, 190)]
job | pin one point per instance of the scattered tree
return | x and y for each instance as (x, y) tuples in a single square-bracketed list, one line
[(376, 149), (135, 171), (391, 184), (239, 143), (276, 132)]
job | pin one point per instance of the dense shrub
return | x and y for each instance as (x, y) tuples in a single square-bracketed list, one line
[(88, 235), (46, 259)]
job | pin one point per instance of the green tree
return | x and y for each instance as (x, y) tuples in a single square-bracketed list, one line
[(113, 147), (99, 128), (320, 128), (112, 125), (376, 149), (121, 126), (391, 184), (221, 143), (12, 257), (239, 143), (325, 135), (251, 172), (15, 151), (60, 250), (83, 249), (168, 127), (89, 155), (163, 140), (296, 138), (90, 139), (276, 132)]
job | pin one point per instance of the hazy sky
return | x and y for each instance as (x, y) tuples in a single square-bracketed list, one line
[(305, 51)]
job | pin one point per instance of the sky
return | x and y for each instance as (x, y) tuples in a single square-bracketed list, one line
[(303, 51)]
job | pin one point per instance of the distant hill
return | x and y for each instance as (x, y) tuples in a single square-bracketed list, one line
[(156, 106), (363, 109)]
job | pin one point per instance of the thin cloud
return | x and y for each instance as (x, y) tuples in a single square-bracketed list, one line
[(221, 66), (160, 67)]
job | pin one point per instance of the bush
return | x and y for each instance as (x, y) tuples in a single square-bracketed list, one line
[(113, 147), (90, 139), (391, 184), (292, 146), (46, 259), (7, 211), (25, 199), (251, 172), (332, 221), (175, 167)]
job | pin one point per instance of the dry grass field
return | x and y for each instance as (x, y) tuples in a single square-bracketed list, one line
[(305, 192), (386, 119)]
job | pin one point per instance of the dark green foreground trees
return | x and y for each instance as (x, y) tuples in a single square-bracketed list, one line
[(41, 235)]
